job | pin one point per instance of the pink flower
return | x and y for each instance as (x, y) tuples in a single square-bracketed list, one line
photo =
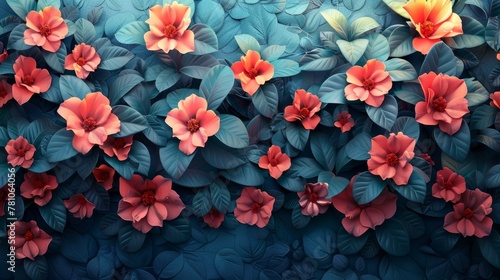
[(83, 59), (313, 199), (254, 207), (38, 186), (192, 123), (469, 215), (167, 27), (276, 161), (5, 92), (46, 29), (390, 156), (427, 158), (104, 176), (304, 109), (495, 99), (213, 218), (119, 147), (29, 79), (147, 203), (445, 102), (3, 56), (252, 71), (449, 185), (368, 83), (79, 206), (31, 241), (20, 152), (433, 20), (90, 119), (344, 121), (4, 196), (361, 217)]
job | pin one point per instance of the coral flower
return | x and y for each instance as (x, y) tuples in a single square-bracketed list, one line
[(104, 176), (38, 186), (252, 71), (344, 121), (147, 203), (368, 83), (3, 55), (313, 199), (83, 59), (29, 79), (167, 27), (79, 206), (445, 102), (4, 196), (469, 215), (433, 20), (276, 161), (213, 218), (304, 109), (361, 217), (390, 157), (119, 147), (254, 207), (46, 29), (449, 185), (495, 99), (31, 241), (427, 158), (5, 92), (90, 119), (20, 152), (192, 123)]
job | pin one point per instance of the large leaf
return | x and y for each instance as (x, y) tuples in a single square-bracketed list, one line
[(71, 86), (400, 70), (220, 156), (132, 33), (216, 85), (359, 147), (440, 59), (247, 42), (296, 135), (85, 31), (378, 48), (305, 167), (457, 145), (361, 26), (113, 57), (56, 59), (349, 244), (232, 132), (37, 268), (492, 177), (335, 184), (337, 21), (353, 50), (168, 264), (122, 85), (130, 239), (490, 248), (22, 7), (393, 238), (400, 42), (367, 187), (247, 174), (173, 160), (54, 214), (415, 190), (131, 121), (220, 196), (285, 68), (332, 89), (205, 40), (408, 126), (60, 146), (265, 100), (323, 150), (385, 115), (229, 264), (483, 117)]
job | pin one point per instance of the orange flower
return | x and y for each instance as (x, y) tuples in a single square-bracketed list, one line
[(83, 59), (368, 83), (433, 20), (46, 29), (167, 27), (252, 71), (5, 92), (29, 79), (192, 123), (20, 152), (119, 147), (495, 99), (276, 161), (304, 108), (90, 119)]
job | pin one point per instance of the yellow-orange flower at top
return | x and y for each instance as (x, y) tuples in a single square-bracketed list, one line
[(167, 27), (45, 29), (252, 71), (433, 20)]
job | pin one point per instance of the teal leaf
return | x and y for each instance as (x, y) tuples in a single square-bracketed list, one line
[(410, 92), (46, 3), (71, 86), (332, 89), (353, 50), (113, 57), (265, 100), (337, 21), (440, 59), (216, 85), (457, 145), (205, 40), (247, 42), (131, 121), (476, 92), (166, 79), (220, 195), (56, 59), (305, 167), (211, 14), (378, 48), (247, 174), (408, 126), (16, 39), (220, 156), (122, 85), (385, 115), (483, 117), (362, 26), (132, 33), (492, 177), (359, 147), (37, 268), (473, 35), (349, 244), (490, 248), (85, 32), (60, 146), (272, 53), (168, 264), (130, 239), (232, 132), (296, 135), (367, 187), (336, 184), (393, 238), (229, 264), (400, 42), (415, 190), (54, 214), (323, 150), (139, 155), (285, 68), (400, 70), (22, 7), (173, 160)]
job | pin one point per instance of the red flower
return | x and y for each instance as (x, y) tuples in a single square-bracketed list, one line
[(254, 207), (29, 79), (495, 99), (5, 92), (344, 121), (313, 199), (4, 196), (469, 215), (213, 218), (104, 175), (38, 186), (276, 161), (31, 241), (119, 147), (83, 59), (449, 185), (46, 29), (304, 109), (252, 71), (20, 152), (3, 56), (79, 206)]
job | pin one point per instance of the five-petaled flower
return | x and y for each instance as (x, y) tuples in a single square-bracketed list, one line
[(103, 174), (83, 60), (213, 218), (5, 92), (276, 161), (29, 79), (38, 186), (168, 28), (20, 152), (390, 157), (147, 203), (469, 216), (79, 206), (368, 83), (119, 147), (449, 185), (252, 71), (433, 20), (344, 121), (31, 241), (495, 99), (304, 109), (192, 123), (254, 207), (313, 199), (46, 29), (90, 119), (445, 102)]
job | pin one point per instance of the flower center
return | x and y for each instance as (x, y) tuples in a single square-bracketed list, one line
[(39, 184), (342, 119), (148, 198), (81, 61), (118, 144), (439, 104), (304, 113), (252, 73), (45, 30), (89, 124), (82, 201), (273, 162), (28, 236), (28, 80), (170, 31), (368, 84), (363, 206), (255, 207), (468, 213), (193, 125), (21, 152), (392, 159), (214, 213), (426, 29), (3, 93), (102, 176), (313, 197), (448, 185)]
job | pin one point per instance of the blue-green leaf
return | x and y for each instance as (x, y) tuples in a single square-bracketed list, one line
[(22, 7), (305, 167), (265, 100), (247, 174), (54, 214), (415, 190), (205, 40), (173, 160), (232, 132), (37, 268), (216, 85), (113, 57), (272, 53), (492, 177), (247, 42), (410, 92), (220, 196), (132, 33), (359, 147), (440, 59), (393, 238), (385, 115), (131, 121), (353, 50), (400, 42), (400, 70), (332, 89), (16, 39), (166, 79), (60, 146), (490, 248), (56, 59), (71, 86), (85, 32), (130, 239), (483, 117), (285, 68), (457, 145), (408, 126), (122, 85), (296, 135), (367, 187), (323, 150), (335, 184)]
